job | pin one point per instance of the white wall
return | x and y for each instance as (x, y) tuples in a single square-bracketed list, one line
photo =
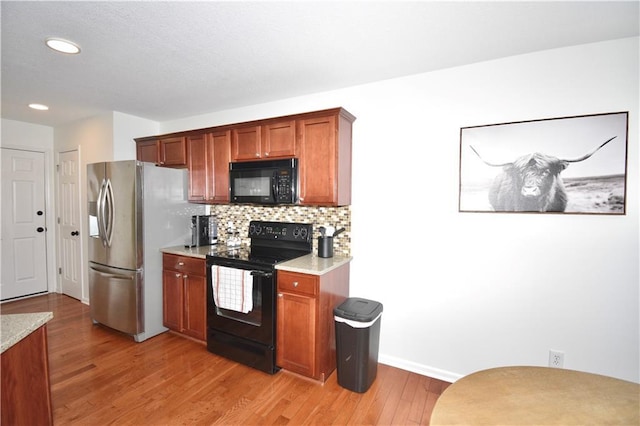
[(464, 292), (33, 137), (108, 137), (127, 127)]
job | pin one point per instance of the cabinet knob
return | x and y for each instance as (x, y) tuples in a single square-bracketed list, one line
[(184, 277), (257, 154), (279, 294), (178, 275), (180, 263), (266, 154), (295, 284)]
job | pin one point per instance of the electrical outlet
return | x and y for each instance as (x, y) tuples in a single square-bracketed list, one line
[(556, 359)]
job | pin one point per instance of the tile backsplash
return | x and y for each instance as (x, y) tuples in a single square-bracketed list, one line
[(240, 215)]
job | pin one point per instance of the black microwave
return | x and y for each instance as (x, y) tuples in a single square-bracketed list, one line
[(264, 182)]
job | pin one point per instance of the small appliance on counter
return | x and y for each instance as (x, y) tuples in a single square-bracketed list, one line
[(204, 230)]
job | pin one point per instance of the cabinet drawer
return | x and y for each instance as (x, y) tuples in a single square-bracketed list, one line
[(297, 283), (185, 264)]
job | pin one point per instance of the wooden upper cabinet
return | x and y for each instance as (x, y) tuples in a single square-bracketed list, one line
[(173, 152), (208, 164), (147, 151), (166, 152), (279, 139), (324, 152), (219, 157), (197, 166), (320, 140), (246, 143), (272, 140)]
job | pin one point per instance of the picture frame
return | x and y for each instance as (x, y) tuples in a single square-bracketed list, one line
[(565, 165)]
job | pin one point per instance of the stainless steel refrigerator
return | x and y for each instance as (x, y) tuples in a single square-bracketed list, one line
[(135, 209)]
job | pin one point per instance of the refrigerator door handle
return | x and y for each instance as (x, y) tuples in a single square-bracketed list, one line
[(109, 205), (100, 214)]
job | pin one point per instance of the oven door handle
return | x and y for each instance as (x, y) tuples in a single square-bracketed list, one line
[(262, 274)]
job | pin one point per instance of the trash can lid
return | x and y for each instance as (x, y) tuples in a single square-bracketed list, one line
[(357, 309)]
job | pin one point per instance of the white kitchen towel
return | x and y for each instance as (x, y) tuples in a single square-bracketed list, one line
[(232, 288)]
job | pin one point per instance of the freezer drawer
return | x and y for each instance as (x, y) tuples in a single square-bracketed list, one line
[(116, 298)]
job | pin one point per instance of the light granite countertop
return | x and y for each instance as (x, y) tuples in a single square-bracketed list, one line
[(199, 252), (309, 264), (312, 264), (15, 327)]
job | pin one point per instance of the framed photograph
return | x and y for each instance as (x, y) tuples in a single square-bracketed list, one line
[(572, 165)]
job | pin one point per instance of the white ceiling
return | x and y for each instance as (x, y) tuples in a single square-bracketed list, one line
[(167, 60)]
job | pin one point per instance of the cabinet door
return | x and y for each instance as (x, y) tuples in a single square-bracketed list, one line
[(279, 139), (173, 151), (195, 306), (172, 300), (318, 160), (147, 151), (197, 165), (219, 156), (246, 143), (296, 331)]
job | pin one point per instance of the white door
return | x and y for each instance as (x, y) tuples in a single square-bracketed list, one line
[(24, 250), (70, 268)]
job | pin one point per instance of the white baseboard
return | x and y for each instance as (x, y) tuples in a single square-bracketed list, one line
[(421, 369)]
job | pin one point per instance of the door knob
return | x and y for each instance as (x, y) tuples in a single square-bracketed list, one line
[(74, 233), (40, 229), (39, 213)]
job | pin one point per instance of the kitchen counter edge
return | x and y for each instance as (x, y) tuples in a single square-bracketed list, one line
[(312, 264), (15, 327), (309, 264), (200, 252)]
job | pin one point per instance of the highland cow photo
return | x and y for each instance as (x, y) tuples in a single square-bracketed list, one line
[(558, 165)]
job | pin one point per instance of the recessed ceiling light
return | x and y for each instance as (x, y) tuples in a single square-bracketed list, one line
[(61, 45), (39, 107)]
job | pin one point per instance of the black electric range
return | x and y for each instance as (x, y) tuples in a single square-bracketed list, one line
[(245, 332)]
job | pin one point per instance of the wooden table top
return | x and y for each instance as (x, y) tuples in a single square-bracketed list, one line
[(538, 396)]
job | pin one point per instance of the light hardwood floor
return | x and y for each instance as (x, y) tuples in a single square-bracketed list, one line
[(101, 377)]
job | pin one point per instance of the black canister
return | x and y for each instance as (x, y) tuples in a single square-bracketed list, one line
[(325, 246)]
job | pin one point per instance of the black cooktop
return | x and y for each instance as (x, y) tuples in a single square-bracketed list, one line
[(261, 255), (271, 243)]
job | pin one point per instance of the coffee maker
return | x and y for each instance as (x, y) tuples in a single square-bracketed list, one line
[(204, 230)]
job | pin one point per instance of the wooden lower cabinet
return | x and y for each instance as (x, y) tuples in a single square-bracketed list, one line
[(184, 299), (25, 390), (306, 341)]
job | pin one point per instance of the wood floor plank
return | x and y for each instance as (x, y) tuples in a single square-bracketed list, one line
[(100, 376)]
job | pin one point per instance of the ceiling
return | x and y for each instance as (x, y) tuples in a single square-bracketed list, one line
[(168, 60)]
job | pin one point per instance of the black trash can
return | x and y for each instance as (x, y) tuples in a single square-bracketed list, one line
[(357, 341)]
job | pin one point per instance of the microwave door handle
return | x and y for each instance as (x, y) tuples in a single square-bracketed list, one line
[(274, 186)]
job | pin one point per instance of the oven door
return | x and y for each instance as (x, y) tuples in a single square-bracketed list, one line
[(258, 324)]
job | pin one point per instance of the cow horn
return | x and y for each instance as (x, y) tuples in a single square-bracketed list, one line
[(486, 162), (584, 157)]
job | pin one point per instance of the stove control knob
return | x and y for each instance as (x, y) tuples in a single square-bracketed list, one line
[(303, 233), (296, 232)]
